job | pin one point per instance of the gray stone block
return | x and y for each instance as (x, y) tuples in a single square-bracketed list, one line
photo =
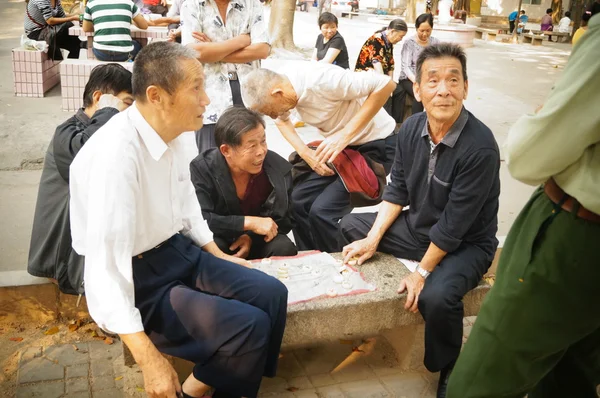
[(83, 394), (407, 384), (40, 369), (46, 390), (351, 317), (78, 371), (100, 350), (77, 385), (67, 355), (103, 383), (101, 368)]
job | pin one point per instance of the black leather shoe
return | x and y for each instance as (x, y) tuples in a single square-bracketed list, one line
[(443, 382)]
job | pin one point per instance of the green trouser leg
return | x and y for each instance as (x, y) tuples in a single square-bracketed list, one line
[(542, 315)]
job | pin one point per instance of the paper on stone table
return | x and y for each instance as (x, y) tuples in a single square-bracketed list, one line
[(305, 283), (410, 264)]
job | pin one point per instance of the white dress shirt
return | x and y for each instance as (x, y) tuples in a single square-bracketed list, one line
[(129, 192), (329, 96)]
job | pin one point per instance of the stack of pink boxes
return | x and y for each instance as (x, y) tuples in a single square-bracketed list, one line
[(34, 73), (75, 74)]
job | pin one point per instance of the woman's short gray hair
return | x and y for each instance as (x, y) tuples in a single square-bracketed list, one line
[(257, 87), (158, 64)]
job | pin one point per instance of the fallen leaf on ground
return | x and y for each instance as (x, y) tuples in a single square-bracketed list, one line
[(293, 389), (346, 342), (73, 327), (490, 280), (118, 378), (108, 341), (17, 339), (51, 331), (75, 347), (140, 389)]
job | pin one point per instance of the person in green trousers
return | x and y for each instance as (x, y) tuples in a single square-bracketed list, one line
[(538, 332)]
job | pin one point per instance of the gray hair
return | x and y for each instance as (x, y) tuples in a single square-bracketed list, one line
[(258, 85), (442, 50), (158, 64), (234, 123)]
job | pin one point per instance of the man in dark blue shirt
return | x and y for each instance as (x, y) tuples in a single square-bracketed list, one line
[(447, 169)]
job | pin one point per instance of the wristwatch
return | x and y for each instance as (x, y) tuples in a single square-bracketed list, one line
[(423, 272)]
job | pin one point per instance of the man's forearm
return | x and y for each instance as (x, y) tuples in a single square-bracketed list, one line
[(143, 350), (56, 20), (433, 256), (388, 213), (286, 128), (215, 52), (369, 109), (248, 54)]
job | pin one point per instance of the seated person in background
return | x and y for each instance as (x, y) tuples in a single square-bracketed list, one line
[(107, 92), (546, 24), (330, 46), (46, 20), (346, 107), (447, 169), (244, 189), (378, 54), (111, 20), (585, 19), (156, 6), (172, 20), (564, 25)]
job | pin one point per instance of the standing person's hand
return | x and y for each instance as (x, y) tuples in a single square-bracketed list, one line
[(160, 379), (332, 146), (413, 285), (242, 245), (163, 2), (321, 169)]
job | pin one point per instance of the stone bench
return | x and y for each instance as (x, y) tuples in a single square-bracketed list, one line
[(33, 72), (535, 40), (357, 316), (561, 36), (75, 75), (486, 34)]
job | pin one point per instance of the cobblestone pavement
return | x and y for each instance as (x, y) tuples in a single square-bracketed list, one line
[(344, 369)]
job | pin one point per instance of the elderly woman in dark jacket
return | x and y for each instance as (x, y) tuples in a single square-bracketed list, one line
[(244, 189)]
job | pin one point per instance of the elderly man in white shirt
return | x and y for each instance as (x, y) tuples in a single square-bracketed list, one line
[(231, 38), (346, 107), (136, 219)]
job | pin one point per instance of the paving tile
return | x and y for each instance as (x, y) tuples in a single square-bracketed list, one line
[(77, 385), (322, 359), (382, 358), (40, 369), (66, 355), (85, 394), (101, 368), (30, 353), (330, 392), (322, 380), (286, 394), (353, 371), (273, 385), (311, 393), (102, 383), (408, 385), (111, 393), (365, 389), (46, 390), (301, 383), (289, 367), (78, 371), (99, 350)]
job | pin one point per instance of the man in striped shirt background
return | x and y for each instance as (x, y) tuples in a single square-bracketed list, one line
[(111, 20)]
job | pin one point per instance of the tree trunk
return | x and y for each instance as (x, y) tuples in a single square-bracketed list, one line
[(411, 11), (577, 10), (556, 11), (281, 24), (515, 37)]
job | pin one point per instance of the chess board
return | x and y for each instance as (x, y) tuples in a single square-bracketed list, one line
[(314, 275)]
